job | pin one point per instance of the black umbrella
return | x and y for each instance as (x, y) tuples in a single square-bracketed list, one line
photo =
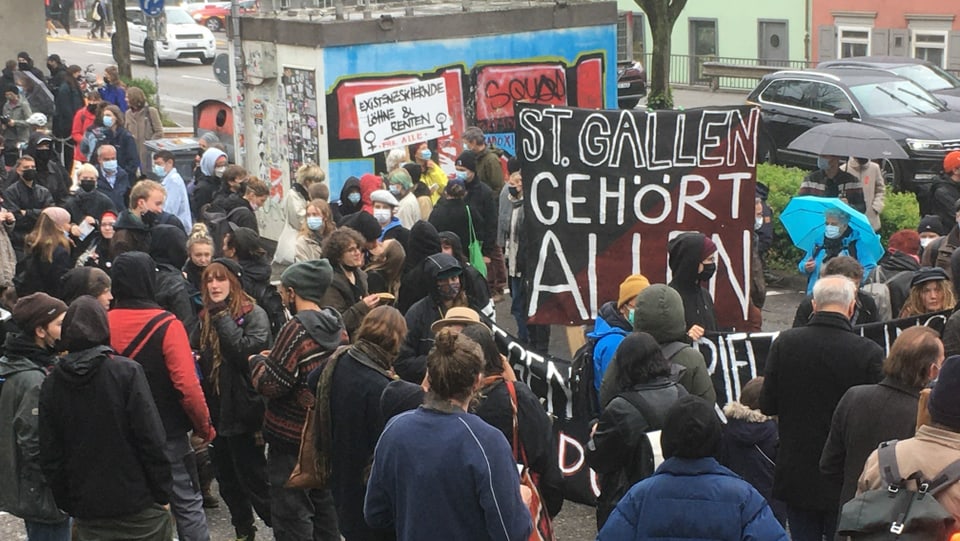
[(849, 139)]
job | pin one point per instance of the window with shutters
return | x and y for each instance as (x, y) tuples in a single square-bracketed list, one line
[(853, 41)]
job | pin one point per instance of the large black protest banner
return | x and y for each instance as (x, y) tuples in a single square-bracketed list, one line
[(732, 360), (604, 192)]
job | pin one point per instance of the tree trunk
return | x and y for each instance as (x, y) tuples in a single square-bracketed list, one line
[(121, 39), (658, 94)]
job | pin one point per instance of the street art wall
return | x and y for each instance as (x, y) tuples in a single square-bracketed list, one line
[(483, 78)]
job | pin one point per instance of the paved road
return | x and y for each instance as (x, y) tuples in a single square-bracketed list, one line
[(182, 84)]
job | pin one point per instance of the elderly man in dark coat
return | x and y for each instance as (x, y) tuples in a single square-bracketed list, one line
[(808, 371)]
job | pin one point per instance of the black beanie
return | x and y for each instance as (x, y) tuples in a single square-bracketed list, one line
[(944, 403), (691, 429), (468, 160), (364, 223)]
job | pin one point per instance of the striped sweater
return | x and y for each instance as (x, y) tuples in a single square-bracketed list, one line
[(304, 344)]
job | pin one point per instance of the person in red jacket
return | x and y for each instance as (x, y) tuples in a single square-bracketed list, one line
[(82, 121), (142, 331)]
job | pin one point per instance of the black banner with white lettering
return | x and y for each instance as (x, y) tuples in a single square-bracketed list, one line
[(732, 360), (604, 192)]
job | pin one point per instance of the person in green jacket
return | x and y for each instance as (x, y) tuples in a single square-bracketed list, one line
[(29, 355), (659, 312)]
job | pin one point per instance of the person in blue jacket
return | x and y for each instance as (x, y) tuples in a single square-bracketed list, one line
[(838, 239), (691, 496), (614, 322)]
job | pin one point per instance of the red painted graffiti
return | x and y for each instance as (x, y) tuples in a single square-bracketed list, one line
[(498, 87)]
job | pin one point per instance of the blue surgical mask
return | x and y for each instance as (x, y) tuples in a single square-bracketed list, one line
[(425, 154), (314, 223), (631, 315), (758, 222), (823, 164), (395, 190), (462, 176), (107, 121), (109, 165), (831, 231), (159, 170), (354, 197)]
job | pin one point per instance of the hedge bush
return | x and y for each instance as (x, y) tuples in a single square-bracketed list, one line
[(150, 90), (901, 211)]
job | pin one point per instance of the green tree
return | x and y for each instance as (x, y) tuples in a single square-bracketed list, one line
[(661, 16), (121, 38)]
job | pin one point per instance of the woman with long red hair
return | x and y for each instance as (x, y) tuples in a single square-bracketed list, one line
[(232, 327)]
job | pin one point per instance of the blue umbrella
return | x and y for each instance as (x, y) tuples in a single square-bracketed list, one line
[(803, 220)]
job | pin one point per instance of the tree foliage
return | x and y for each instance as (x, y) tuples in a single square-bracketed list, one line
[(661, 16)]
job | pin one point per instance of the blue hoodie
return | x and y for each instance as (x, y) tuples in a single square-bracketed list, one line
[(608, 331)]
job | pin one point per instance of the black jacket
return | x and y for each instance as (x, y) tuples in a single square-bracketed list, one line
[(808, 370), (93, 204), (866, 416), (235, 406), (206, 187), (243, 217), (347, 298), (686, 253), (31, 199), (52, 175), (415, 285), (896, 270), (866, 310), (68, 101), (749, 448), (34, 274), (534, 431), (618, 450), (168, 249), (346, 208), (943, 198), (484, 212), (101, 439), (451, 215)]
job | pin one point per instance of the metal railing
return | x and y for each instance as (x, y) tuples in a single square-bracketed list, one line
[(687, 70)]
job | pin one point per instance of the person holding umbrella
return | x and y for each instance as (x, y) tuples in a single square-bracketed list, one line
[(838, 239)]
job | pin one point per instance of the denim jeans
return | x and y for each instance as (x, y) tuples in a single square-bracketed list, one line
[(47, 531), (298, 515), (186, 501)]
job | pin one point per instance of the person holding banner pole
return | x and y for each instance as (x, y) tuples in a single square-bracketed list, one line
[(692, 260)]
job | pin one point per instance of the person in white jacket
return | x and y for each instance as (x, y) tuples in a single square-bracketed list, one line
[(874, 187), (295, 208)]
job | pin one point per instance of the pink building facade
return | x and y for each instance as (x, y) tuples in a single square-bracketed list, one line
[(927, 29)]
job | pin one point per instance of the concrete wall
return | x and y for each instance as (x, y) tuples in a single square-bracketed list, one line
[(562, 56), (24, 29)]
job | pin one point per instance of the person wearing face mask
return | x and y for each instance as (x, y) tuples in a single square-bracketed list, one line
[(317, 225), (113, 181), (350, 198), (143, 121), (213, 164), (482, 202), (25, 198), (369, 183), (84, 119), (830, 181), (692, 258), (758, 284), (25, 64), (309, 176), (401, 187), (450, 214), (443, 272), (68, 100), (385, 208), (874, 187), (16, 131), (614, 322), (348, 292), (838, 239), (232, 183), (241, 209), (50, 173), (420, 190), (930, 229), (114, 91), (114, 133), (177, 202), (88, 204), (430, 173), (29, 356)]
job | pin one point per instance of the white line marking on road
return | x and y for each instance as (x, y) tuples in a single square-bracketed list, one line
[(205, 79), (97, 53)]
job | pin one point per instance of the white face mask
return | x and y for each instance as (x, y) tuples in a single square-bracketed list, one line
[(383, 216), (924, 242)]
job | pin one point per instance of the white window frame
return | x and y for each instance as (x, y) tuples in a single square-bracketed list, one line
[(853, 28), (922, 31)]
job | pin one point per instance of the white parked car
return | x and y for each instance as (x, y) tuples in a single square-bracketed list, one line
[(184, 37)]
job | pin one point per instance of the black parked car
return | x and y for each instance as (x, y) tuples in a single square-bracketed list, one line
[(933, 78), (791, 102), (631, 83)]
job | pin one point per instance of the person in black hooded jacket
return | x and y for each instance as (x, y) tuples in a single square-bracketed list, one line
[(693, 259), (424, 242), (442, 273), (102, 440), (243, 246), (350, 199), (473, 282), (168, 248)]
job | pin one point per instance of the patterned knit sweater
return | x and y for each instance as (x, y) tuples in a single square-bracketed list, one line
[(304, 344)]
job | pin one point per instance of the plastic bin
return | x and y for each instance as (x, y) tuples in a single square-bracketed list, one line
[(184, 151)]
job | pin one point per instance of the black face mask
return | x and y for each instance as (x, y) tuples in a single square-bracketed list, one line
[(92, 108), (514, 192), (88, 185), (149, 218), (43, 154), (707, 273), (24, 66), (29, 175)]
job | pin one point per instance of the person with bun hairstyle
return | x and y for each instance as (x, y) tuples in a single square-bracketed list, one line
[(199, 254), (440, 449)]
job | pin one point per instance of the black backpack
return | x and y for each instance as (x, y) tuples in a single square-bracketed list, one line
[(893, 511), (586, 403), (268, 298), (218, 225)]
